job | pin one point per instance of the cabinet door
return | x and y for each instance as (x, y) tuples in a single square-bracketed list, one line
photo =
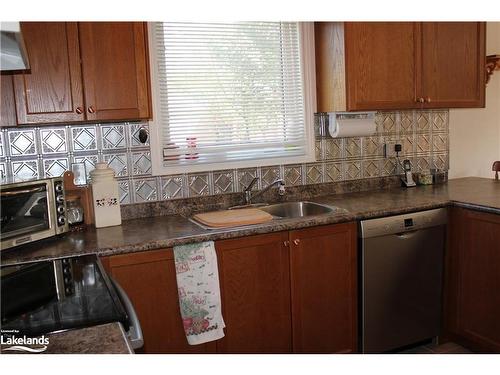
[(453, 64), (472, 298), (381, 69), (254, 276), (324, 289), (8, 107), (115, 70), (51, 91), (149, 280)]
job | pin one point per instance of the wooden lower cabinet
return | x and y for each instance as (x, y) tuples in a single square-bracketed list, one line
[(255, 286), (324, 289), (281, 293), (149, 280), (472, 297)]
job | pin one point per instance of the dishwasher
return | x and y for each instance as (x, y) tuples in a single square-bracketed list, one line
[(401, 279)]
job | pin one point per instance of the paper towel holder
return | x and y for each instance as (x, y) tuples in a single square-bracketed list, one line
[(333, 117), (353, 115)]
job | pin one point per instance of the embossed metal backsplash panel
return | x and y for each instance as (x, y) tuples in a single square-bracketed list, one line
[(49, 151)]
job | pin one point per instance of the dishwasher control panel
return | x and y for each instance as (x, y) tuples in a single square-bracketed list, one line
[(403, 223)]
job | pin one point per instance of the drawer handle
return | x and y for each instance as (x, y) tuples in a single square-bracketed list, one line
[(428, 100), (286, 243), (420, 100), (296, 241)]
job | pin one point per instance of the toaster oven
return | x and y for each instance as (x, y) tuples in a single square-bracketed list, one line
[(31, 210)]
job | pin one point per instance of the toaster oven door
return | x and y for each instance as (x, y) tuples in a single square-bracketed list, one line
[(26, 214)]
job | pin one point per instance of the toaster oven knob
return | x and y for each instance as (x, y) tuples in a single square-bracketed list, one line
[(60, 210), (59, 199), (58, 188), (61, 220)]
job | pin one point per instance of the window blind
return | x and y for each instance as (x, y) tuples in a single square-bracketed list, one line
[(229, 91)]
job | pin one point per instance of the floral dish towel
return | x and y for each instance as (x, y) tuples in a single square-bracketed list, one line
[(199, 292)]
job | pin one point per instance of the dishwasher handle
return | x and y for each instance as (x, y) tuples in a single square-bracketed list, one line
[(407, 235), (135, 332)]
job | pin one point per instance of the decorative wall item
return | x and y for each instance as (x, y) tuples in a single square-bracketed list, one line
[(48, 151), (492, 64)]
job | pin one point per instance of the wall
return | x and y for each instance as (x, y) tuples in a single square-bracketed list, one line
[(475, 133), (48, 151)]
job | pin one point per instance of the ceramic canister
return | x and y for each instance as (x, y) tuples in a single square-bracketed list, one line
[(106, 198)]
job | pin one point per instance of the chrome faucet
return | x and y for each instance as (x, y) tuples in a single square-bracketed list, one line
[(248, 191)]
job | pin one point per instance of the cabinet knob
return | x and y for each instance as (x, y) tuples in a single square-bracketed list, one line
[(79, 110), (286, 243), (428, 100), (296, 241), (420, 100), (91, 109)]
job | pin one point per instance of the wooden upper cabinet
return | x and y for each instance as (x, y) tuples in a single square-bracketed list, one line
[(255, 288), (149, 280), (115, 70), (324, 289), (8, 105), (380, 65), (51, 91), (399, 65), (453, 64), (86, 71)]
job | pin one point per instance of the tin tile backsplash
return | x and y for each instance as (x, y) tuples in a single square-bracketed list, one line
[(49, 151)]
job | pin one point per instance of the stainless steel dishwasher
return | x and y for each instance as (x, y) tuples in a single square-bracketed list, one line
[(401, 279)]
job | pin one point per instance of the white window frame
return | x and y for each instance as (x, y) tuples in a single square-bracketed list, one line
[(306, 45)]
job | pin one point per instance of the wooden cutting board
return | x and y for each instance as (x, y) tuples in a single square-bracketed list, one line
[(233, 218)]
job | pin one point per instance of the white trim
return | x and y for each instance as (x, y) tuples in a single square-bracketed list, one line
[(154, 124), (306, 31)]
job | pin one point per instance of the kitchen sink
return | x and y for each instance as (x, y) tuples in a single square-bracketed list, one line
[(287, 210), (297, 209)]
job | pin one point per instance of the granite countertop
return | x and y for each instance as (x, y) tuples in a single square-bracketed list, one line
[(166, 231), (103, 339)]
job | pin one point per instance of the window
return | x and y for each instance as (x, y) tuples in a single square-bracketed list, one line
[(229, 95)]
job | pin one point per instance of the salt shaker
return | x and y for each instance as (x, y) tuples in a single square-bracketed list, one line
[(106, 199)]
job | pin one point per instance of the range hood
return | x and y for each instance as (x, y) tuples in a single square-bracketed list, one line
[(12, 50)]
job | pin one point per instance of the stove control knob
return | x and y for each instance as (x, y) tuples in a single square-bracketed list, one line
[(61, 220)]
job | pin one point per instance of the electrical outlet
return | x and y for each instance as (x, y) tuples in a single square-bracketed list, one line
[(390, 149)]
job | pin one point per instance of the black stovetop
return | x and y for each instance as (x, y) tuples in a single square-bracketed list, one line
[(50, 296)]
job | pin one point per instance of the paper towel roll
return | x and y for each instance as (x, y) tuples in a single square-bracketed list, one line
[(340, 128)]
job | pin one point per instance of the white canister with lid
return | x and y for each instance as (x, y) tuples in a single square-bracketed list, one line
[(106, 198)]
